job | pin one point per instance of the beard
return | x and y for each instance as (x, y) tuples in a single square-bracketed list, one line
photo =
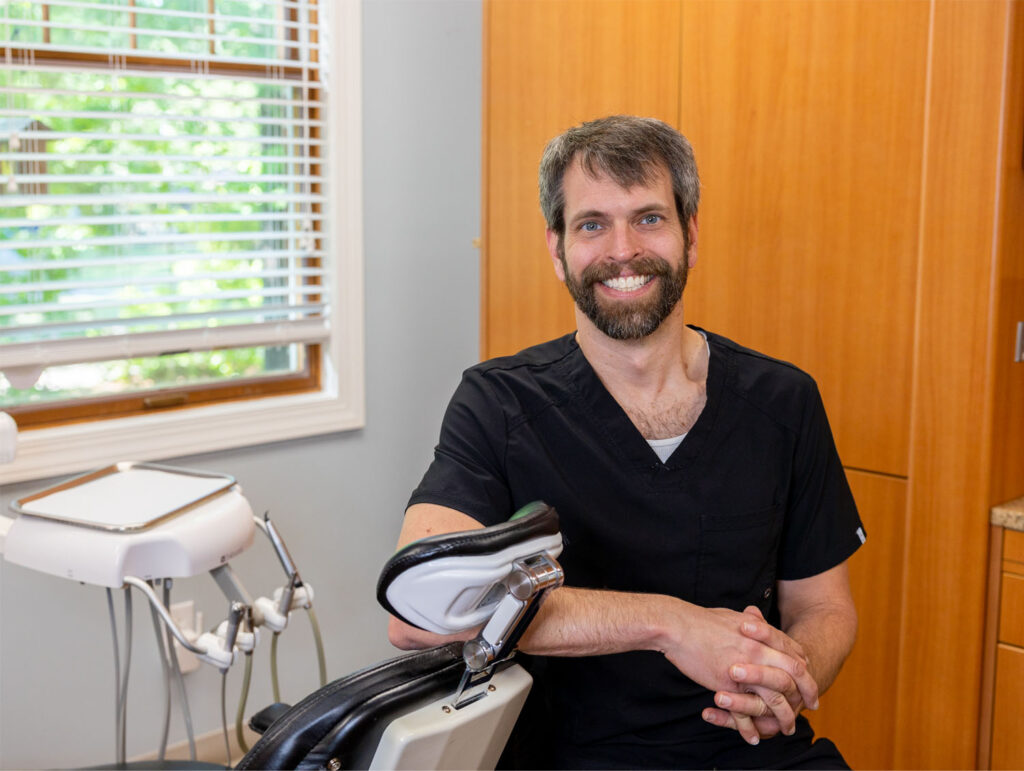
[(627, 319)]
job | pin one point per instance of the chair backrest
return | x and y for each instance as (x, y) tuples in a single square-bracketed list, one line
[(401, 713), (472, 734)]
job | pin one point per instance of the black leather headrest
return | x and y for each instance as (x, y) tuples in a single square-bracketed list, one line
[(531, 521), (346, 718)]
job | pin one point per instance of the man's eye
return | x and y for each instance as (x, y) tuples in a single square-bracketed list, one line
[(651, 219), (589, 227)]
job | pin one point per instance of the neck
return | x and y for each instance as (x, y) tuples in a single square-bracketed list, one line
[(672, 354)]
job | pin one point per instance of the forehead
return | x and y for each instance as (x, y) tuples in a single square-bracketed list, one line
[(598, 191)]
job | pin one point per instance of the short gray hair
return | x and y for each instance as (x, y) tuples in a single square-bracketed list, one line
[(626, 148)]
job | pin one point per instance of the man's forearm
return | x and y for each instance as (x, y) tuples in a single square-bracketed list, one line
[(702, 643), (827, 636), (819, 613), (572, 622), (589, 622)]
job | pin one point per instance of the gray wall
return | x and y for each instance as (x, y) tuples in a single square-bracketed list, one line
[(337, 499)]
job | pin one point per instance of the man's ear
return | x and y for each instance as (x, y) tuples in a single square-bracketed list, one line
[(691, 232), (553, 240)]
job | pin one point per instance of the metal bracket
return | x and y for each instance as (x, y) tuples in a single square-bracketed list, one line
[(230, 585), (477, 677), (525, 587)]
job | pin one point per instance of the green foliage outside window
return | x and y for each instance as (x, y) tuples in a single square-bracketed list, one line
[(143, 146)]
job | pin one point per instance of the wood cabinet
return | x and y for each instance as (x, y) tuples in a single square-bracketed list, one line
[(861, 216), (811, 176), (550, 65), (1011, 609), (1007, 745)]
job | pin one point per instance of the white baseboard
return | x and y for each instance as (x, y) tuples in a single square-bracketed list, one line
[(209, 747)]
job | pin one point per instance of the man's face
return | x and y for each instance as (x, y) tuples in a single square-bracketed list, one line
[(624, 257)]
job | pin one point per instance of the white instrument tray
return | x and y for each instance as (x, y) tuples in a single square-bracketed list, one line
[(135, 519), (124, 497)]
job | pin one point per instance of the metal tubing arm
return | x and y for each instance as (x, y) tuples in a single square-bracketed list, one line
[(147, 590), (280, 548), (230, 585)]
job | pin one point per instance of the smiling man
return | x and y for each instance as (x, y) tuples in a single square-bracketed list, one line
[(705, 511)]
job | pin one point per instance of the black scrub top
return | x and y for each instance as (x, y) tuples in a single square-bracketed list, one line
[(754, 494)]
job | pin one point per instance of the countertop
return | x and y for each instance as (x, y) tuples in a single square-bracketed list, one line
[(1009, 514)]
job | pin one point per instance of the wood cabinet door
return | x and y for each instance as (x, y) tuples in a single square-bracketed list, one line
[(551, 64), (1007, 745), (809, 146)]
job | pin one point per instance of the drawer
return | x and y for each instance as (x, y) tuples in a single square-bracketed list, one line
[(1007, 747), (1011, 610), (1013, 549)]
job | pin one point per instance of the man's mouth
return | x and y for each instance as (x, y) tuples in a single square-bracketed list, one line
[(626, 283)]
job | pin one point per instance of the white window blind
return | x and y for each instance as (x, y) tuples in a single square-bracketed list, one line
[(161, 167)]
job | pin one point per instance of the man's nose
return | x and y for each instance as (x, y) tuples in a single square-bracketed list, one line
[(625, 243)]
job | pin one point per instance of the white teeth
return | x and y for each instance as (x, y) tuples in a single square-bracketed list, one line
[(626, 283)]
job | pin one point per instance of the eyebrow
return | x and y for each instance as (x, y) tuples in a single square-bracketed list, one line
[(655, 208), (587, 215)]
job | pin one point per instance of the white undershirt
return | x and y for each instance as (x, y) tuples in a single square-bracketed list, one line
[(664, 448)]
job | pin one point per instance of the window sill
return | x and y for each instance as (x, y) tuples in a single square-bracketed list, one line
[(71, 449)]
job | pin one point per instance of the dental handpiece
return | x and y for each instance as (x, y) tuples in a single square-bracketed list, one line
[(234, 621), (285, 604), (282, 551)]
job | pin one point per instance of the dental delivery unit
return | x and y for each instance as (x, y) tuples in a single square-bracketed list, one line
[(141, 525)]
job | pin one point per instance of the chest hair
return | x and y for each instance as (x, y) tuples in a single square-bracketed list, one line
[(666, 418)]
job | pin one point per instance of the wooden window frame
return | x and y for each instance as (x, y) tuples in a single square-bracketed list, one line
[(332, 400)]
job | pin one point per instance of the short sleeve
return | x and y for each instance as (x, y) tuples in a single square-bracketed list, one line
[(467, 472), (822, 527)]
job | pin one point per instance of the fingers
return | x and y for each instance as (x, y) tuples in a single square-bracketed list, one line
[(747, 704), (793, 659), (768, 705), (735, 720), (774, 670), (771, 679), (745, 725), (755, 611), (758, 629), (766, 727), (775, 704), (761, 702), (807, 686)]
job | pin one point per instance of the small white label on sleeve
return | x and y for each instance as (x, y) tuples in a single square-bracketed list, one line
[(860, 534)]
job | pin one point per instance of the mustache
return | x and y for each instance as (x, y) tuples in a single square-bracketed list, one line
[(638, 266)]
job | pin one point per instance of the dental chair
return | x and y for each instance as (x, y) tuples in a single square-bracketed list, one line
[(452, 706)]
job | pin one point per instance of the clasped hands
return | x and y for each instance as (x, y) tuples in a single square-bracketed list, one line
[(759, 674)]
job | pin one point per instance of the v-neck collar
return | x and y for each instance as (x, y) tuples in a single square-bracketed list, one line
[(609, 419)]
